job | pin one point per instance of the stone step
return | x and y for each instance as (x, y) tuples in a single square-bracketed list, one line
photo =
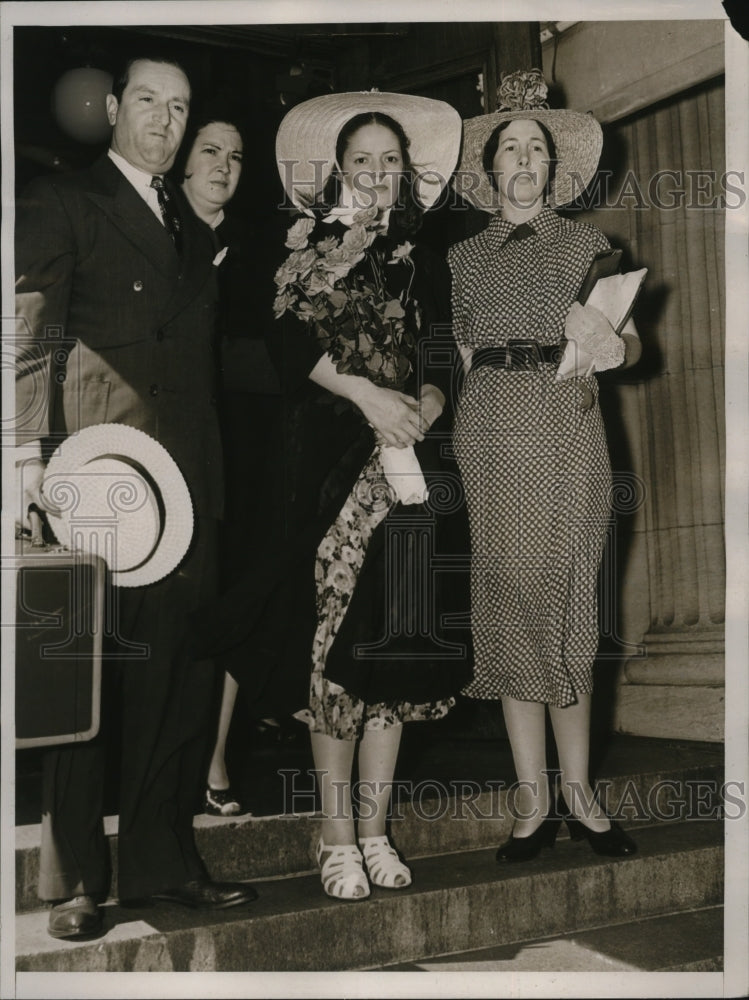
[(458, 901), (439, 818), (687, 941)]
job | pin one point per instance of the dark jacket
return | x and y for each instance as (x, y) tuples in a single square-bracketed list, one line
[(114, 327)]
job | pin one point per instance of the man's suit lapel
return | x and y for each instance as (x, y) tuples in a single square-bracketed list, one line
[(115, 195)]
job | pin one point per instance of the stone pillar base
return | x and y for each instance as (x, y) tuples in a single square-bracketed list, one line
[(684, 713), (677, 690)]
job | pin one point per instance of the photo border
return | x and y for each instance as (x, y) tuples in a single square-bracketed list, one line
[(733, 981)]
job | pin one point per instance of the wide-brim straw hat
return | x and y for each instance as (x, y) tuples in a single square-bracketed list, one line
[(577, 139), (306, 140), (113, 491)]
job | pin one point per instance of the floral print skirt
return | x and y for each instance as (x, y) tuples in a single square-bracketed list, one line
[(340, 556)]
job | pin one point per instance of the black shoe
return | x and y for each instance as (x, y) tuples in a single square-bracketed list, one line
[(207, 895), (221, 802), (526, 848), (75, 918), (612, 843)]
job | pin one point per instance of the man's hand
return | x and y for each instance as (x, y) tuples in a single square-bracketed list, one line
[(29, 474)]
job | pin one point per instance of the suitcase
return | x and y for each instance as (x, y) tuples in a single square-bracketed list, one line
[(58, 633)]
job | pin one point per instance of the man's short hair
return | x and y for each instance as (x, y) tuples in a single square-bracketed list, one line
[(122, 72)]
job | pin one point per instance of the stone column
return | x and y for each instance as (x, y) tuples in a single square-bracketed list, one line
[(676, 688)]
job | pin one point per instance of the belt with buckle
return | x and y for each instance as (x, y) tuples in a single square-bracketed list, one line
[(518, 355)]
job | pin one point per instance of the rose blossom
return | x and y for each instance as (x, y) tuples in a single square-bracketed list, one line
[(296, 238)]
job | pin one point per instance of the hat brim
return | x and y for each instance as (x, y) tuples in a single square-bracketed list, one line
[(117, 492), (108, 507), (306, 140), (578, 141)]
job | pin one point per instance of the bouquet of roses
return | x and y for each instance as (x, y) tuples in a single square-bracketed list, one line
[(352, 314)]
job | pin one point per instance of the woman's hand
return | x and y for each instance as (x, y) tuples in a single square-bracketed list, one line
[(594, 337), (394, 415), (632, 344), (398, 419), (431, 405)]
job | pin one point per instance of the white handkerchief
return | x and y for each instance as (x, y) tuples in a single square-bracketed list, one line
[(403, 473), (592, 345), (220, 256)]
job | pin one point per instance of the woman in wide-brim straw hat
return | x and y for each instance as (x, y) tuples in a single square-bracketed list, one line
[(532, 449), (363, 487)]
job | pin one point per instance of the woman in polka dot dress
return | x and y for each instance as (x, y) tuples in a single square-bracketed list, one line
[(532, 449)]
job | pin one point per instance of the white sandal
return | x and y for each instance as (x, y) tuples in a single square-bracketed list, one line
[(342, 873), (384, 867)]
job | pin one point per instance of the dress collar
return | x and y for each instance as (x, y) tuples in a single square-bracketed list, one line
[(545, 225)]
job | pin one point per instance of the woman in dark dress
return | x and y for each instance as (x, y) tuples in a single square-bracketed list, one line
[(369, 508), (532, 448), (209, 170)]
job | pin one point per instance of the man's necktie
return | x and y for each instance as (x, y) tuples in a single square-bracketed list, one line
[(169, 213)]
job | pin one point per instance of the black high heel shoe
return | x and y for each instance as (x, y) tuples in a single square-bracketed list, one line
[(526, 848), (611, 843)]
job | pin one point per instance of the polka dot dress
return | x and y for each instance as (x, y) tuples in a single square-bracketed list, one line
[(534, 461)]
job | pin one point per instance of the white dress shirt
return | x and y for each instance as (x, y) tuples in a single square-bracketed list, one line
[(140, 180)]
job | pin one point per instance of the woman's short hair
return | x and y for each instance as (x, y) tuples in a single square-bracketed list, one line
[(492, 145), (206, 115), (408, 210)]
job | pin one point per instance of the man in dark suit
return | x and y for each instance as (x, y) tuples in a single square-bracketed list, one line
[(116, 292)]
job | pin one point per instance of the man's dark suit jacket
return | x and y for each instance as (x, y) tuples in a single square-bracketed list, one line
[(97, 272)]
